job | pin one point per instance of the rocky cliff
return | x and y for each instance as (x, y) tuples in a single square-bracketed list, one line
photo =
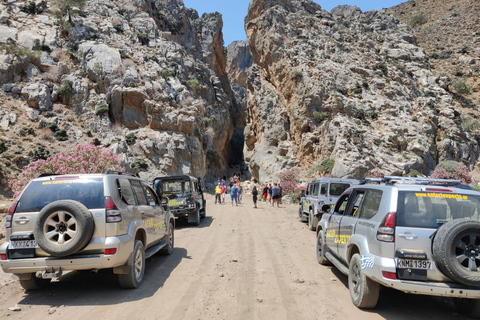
[(144, 77), (347, 88)]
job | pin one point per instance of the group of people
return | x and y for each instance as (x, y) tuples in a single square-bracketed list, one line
[(270, 194), (236, 190)]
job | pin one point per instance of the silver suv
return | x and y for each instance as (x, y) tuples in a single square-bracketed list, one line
[(85, 222), (415, 235), (320, 192)]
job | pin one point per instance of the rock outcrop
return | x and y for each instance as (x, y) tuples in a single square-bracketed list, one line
[(348, 86), (151, 69)]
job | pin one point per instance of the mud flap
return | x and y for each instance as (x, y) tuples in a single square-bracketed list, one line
[(126, 267)]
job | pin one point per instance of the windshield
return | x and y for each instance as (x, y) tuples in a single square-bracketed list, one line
[(337, 189), (432, 209), (179, 186), (40, 193)]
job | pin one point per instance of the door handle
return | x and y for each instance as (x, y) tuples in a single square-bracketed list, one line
[(22, 220), (408, 236)]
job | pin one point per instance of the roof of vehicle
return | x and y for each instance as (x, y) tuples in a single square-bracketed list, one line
[(49, 176), (179, 177), (341, 180)]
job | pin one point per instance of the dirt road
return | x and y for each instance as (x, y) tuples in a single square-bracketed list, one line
[(240, 263)]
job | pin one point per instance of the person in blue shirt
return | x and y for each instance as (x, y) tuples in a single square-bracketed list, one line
[(234, 194)]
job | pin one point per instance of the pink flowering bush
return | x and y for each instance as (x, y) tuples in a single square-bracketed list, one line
[(458, 173), (289, 180), (84, 159)]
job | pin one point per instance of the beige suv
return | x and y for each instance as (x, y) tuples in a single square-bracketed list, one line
[(85, 222)]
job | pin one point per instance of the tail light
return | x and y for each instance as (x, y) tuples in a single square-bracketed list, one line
[(112, 213), (386, 230), (110, 251), (9, 217), (3, 256)]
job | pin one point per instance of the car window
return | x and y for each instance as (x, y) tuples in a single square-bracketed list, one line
[(125, 191), (315, 189), (139, 192), (323, 189), (357, 202), (337, 189), (151, 198), (371, 203), (187, 187), (88, 191), (341, 204), (432, 209)]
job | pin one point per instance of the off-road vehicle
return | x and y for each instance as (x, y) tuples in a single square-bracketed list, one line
[(415, 235), (85, 222), (185, 196), (320, 192)]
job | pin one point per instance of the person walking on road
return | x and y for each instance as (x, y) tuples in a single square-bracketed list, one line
[(224, 191), (254, 194), (218, 194), (275, 195), (240, 193), (265, 193), (269, 199), (234, 194)]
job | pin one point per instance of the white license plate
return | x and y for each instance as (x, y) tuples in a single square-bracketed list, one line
[(23, 244), (413, 264)]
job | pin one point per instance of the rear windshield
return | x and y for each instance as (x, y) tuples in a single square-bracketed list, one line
[(337, 189), (432, 209), (179, 186), (40, 193)]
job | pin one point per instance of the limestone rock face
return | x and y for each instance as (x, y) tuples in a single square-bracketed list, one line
[(151, 70), (348, 85)]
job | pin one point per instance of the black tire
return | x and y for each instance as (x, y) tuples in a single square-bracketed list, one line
[(456, 251), (321, 249), (203, 213), (196, 221), (34, 283), (468, 307), (300, 213), (136, 268), (169, 239), (312, 221), (364, 292), (63, 227)]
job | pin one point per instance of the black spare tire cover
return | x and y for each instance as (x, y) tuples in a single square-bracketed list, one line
[(456, 251), (63, 227)]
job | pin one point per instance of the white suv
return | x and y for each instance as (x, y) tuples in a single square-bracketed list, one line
[(415, 235), (82, 222)]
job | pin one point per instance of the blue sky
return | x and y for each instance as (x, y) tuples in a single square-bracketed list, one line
[(234, 12)]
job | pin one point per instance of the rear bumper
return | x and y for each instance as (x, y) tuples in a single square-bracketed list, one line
[(182, 213), (446, 289), (123, 244)]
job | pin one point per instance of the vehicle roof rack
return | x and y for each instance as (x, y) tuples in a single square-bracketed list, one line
[(121, 173), (391, 180)]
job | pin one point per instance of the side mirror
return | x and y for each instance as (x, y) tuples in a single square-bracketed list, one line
[(326, 208), (165, 200)]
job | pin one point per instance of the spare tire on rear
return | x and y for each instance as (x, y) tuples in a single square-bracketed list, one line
[(63, 228), (456, 251)]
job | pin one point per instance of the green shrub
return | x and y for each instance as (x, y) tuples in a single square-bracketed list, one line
[(296, 75), (470, 124), (326, 166), (445, 54), (461, 87), (358, 89), (373, 115), (52, 126), (65, 88), (381, 66), (101, 109), (41, 153), (61, 135), (418, 20), (197, 86), (166, 73), (31, 8), (213, 158), (320, 116), (343, 91), (139, 165), (413, 173), (118, 27), (143, 38), (20, 51), (287, 94), (130, 138)]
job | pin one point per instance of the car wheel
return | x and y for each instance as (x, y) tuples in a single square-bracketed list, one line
[(364, 292), (136, 268), (468, 307), (63, 228), (34, 283), (196, 220), (456, 251), (169, 239), (300, 213), (312, 221), (203, 213), (321, 250)]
